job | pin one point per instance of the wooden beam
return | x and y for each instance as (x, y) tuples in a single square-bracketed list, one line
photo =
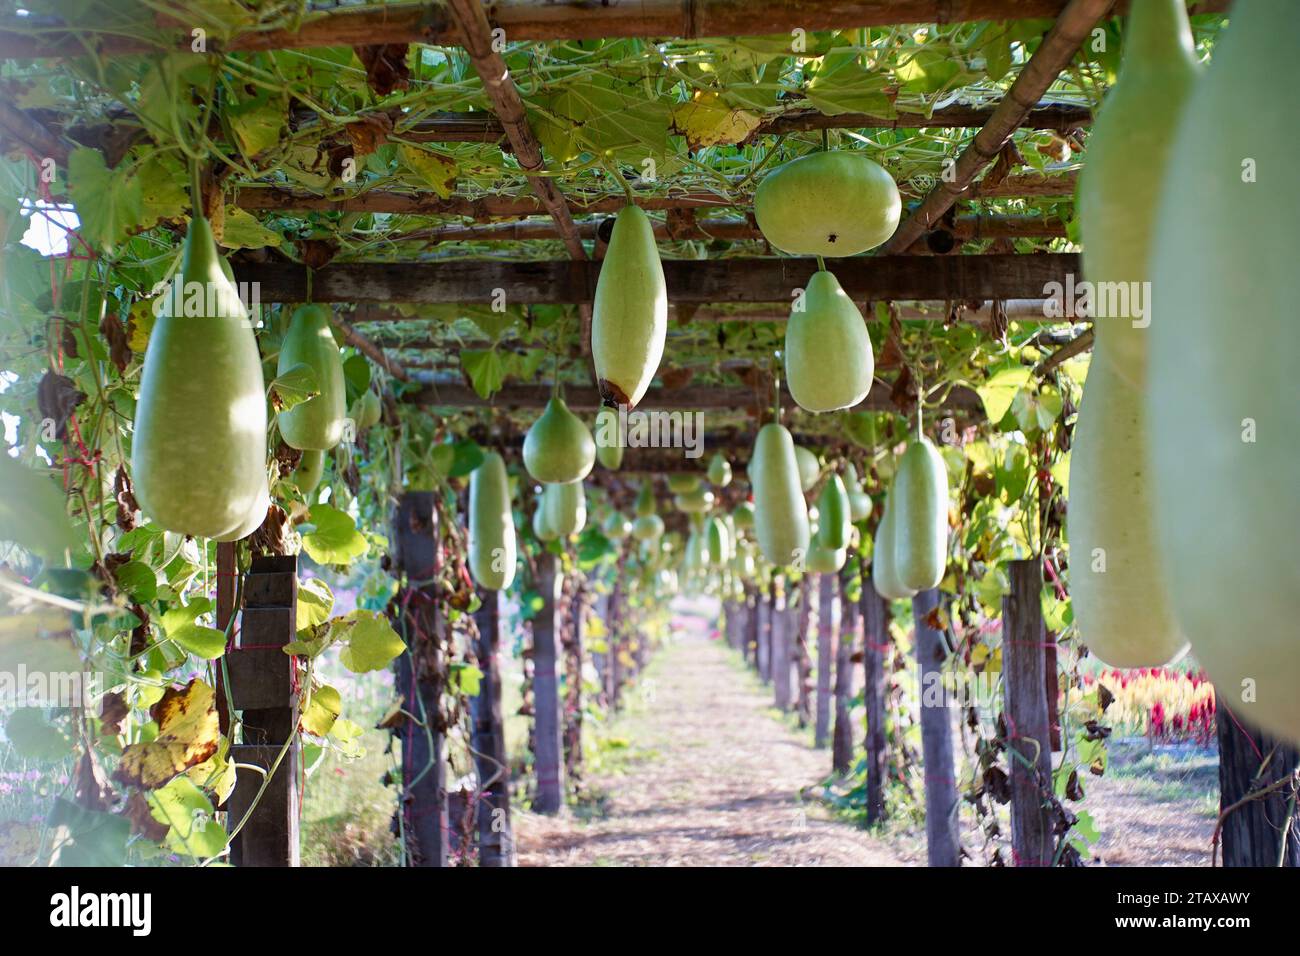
[(699, 398), (257, 198), (526, 20), (908, 278), (1053, 55), (370, 350)]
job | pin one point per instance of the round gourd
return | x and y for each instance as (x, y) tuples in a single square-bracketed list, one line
[(859, 500), (492, 545), (744, 515), (720, 471), (694, 502), (317, 423), (367, 410), (310, 470), (543, 530), (780, 512), (1115, 584), (828, 359), (833, 515), (884, 573), (921, 523), (827, 204), (683, 482), (199, 447), (616, 527), (629, 316), (1224, 432), (609, 439), (810, 468), (558, 448)]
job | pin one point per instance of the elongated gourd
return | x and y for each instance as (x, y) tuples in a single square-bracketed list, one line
[(558, 448), (720, 471), (566, 508), (824, 560), (809, 467), (1222, 396), (492, 545), (780, 512), (252, 521), (884, 573), (1116, 581), (920, 528), (543, 530), (828, 358), (716, 541), (310, 470), (837, 203), (609, 439), (317, 423), (833, 515), (629, 319), (198, 452)]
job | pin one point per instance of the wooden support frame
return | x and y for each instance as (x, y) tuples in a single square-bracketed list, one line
[(1029, 741), (875, 648), (548, 753), (846, 648), (976, 278), (1256, 829), (828, 625), (781, 654), (496, 840), (942, 843)]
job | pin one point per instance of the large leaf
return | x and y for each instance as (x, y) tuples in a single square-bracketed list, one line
[(188, 734), (298, 384), (844, 85), (109, 203), (999, 391), (485, 369), (315, 602), (435, 170), (32, 511), (188, 813), (371, 642), (708, 120), (322, 710), (334, 538), (241, 230)]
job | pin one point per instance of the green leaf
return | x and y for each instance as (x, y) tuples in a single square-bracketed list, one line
[(297, 385), (465, 678), (207, 643), (83, 838), (844, 85), (138, 580), (32, 737), (33, 512), (371, 642), (257, 123), (188, 812), (109, 203), (162, 194), (999, 391), (322, 710), (334, 538), (356, 372), (183, 615), (485, 370), (315, 601), (241, 230), (466, 456)]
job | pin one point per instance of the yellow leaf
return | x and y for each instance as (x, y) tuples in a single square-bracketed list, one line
[(707, 120), (188, 735), (437, 171)]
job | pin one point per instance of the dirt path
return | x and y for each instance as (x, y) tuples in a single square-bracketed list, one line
[(710, 778)]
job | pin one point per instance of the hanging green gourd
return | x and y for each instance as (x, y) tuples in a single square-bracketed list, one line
[(317, 423), (198, 451), (492, 544), (629, 322)]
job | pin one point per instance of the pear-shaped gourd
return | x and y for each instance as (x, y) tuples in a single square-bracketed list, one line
[(558, 448), (609, 439), (809, 467), (367, 410), (1223, 429), (648, 527), (828, 358), (543, 529), (717, 542), (629, 317), (255, 518), (616, 527), (827, 204), (317, 423), (199, 448), (744, 515), (1116, 579), (310, 470), (645, 500), (683, 482), (693, 502), (492, 545), (824, 560), (566, 508), (780, 512), (921, 521), (884, 568), (859, 500), (833, 525), (719, 471)]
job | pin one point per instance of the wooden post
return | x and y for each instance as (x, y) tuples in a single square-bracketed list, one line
[(227, 578), (803, 655), (781, 658), (549, 753), (424, 770), (264, 689), (875, 648), (1253, 830), (766, 621), (754, 624), (845, 647), (491, 761), (828, 613), (572, 708), (942, 845), (1029, 744)]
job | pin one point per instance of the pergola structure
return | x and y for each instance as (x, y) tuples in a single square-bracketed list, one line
[(508, 244)]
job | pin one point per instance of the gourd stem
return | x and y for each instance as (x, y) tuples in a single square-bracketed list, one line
[(826, 140), (821, 264), (1153, 32), (196, 188)]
